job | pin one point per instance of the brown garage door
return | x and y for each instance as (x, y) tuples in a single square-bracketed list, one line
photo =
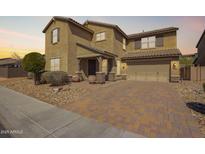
[(149, 72)]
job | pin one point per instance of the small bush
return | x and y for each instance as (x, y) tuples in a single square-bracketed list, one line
[(30, 75), (203, 86), (45, 77), (55, 78)]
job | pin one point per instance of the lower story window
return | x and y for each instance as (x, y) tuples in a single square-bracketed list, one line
[(55, 64)]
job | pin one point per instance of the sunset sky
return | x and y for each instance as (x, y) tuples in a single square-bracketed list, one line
[(24, 34)]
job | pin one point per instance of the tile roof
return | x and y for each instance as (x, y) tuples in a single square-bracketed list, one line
[(131, 36), (153, 32), (108, 25), (65, 19), (97, 50), (152, 53)]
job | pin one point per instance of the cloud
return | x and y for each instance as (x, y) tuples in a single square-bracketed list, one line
[(19, 34)]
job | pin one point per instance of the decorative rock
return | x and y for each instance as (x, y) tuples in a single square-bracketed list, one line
[(57, 89), (75, 78)]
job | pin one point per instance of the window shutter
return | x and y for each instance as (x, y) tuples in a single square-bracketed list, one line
[(138, 44), (58, 34), (159, 41), (51, 37)]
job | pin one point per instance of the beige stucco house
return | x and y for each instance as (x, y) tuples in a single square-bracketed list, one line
[(100, 47)]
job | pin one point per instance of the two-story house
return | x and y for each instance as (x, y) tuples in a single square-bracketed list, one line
[(101, 47)]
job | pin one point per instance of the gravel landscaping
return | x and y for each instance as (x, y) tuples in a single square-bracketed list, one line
[(193, 92), (52, 95), (45, 92)]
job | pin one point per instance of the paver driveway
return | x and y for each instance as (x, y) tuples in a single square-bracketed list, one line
[(148, 108)]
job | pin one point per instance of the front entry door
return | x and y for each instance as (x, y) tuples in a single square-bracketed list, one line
[(91, 67)]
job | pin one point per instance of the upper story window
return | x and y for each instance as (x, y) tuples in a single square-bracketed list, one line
[(124, 44), (55, 35), (100, 36), (148, 42), (55, 64)]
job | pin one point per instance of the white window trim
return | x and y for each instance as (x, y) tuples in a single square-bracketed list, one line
[(124, 44), (146, 42), (100, 36), (55, 66), (55, 38)]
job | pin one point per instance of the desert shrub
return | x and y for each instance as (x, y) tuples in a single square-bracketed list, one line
[(203, 86), (30, 75), (55, 78), (34, 62), (45, 77)]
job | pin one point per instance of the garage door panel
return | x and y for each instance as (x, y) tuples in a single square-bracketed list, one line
[(149, 72)]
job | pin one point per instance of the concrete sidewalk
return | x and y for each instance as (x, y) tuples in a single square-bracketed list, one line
[(25, 117)]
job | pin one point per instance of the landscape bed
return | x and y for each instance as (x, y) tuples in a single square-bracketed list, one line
[(45, 92), (193, 92)]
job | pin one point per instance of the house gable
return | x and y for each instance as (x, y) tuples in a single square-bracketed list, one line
[(201, 51)]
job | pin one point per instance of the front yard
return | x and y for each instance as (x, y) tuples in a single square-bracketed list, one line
[(148, 108), (193, 92), (46, 93)]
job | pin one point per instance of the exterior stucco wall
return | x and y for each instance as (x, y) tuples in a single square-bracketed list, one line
[(169, 41), (66, 48), (106, 44), (77, 35), (60, 49), (118, 44)]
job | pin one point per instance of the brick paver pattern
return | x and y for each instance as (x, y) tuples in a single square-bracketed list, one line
[(151, 109)]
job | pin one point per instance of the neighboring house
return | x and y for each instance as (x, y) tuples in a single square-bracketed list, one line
[(200, 59), (198, 71), (101, 47), (10, 67)]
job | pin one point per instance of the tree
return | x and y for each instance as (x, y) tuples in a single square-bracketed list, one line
[(186, 61), (15, 56), (34, 62)]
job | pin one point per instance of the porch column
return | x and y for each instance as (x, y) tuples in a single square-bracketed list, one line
[(100, 63), (78, 72)]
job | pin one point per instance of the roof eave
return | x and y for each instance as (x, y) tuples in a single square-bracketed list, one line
[(149, 57), (108, 25), (143, 34), (66, 20)]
